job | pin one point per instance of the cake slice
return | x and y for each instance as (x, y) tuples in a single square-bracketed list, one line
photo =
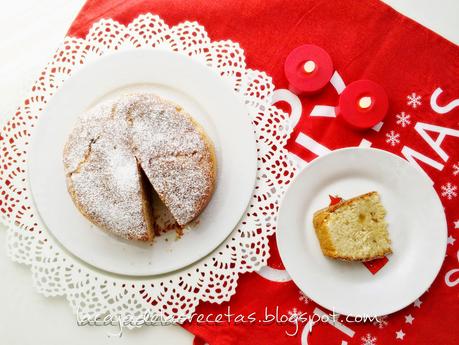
[(353, 229)]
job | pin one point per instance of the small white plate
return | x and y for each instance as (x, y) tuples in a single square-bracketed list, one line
[(417, 228), (207, 97)]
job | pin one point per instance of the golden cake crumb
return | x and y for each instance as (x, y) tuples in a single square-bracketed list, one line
[(353, 229)]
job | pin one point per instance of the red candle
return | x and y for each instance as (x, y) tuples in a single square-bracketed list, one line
[(308, 69), (363, 104)]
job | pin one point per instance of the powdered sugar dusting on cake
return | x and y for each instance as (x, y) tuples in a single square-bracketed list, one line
[(173, 153), (105, 184), (101, 158), (159, 128), (120, 162), (182, 182), (87, 129)]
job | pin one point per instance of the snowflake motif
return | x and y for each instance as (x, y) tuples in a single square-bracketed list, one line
[(413, 100), (381, 321), (303, 298), (449, 191), (368, 340), (293, 313), (392, 138), (403, 119), (456, 169)]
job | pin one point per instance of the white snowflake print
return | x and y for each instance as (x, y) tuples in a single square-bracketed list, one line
[(368, 340), (449, 191), (294, 313), (392, 138), (456, 169), (413, 100), (400, 334), (403, 119), (303, 298), (417, 303), (381, 321)]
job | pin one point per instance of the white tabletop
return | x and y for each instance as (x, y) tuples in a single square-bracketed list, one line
[(30, 31)]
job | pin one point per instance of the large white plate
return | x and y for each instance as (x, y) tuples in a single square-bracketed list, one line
[(201, 93), (417, 227)]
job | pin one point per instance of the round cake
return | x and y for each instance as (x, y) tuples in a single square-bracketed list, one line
[(123, 150)]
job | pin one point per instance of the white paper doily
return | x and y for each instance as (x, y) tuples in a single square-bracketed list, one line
[(213, 279)]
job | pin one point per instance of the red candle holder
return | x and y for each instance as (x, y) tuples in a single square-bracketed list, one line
[(363, 104), (308, 69)]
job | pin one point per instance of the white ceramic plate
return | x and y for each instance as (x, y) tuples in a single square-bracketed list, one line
[(202, 94), (417, 227)]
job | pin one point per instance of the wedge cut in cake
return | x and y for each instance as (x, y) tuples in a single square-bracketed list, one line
[(124, 152), (353, 229)]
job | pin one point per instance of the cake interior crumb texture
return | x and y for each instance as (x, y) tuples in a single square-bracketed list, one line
[(354, 229)]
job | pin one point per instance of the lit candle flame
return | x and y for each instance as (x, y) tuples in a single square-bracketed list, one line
[(365, 102), (309, 66)]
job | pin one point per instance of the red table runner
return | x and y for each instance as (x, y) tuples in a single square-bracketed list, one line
[(366, 39)]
